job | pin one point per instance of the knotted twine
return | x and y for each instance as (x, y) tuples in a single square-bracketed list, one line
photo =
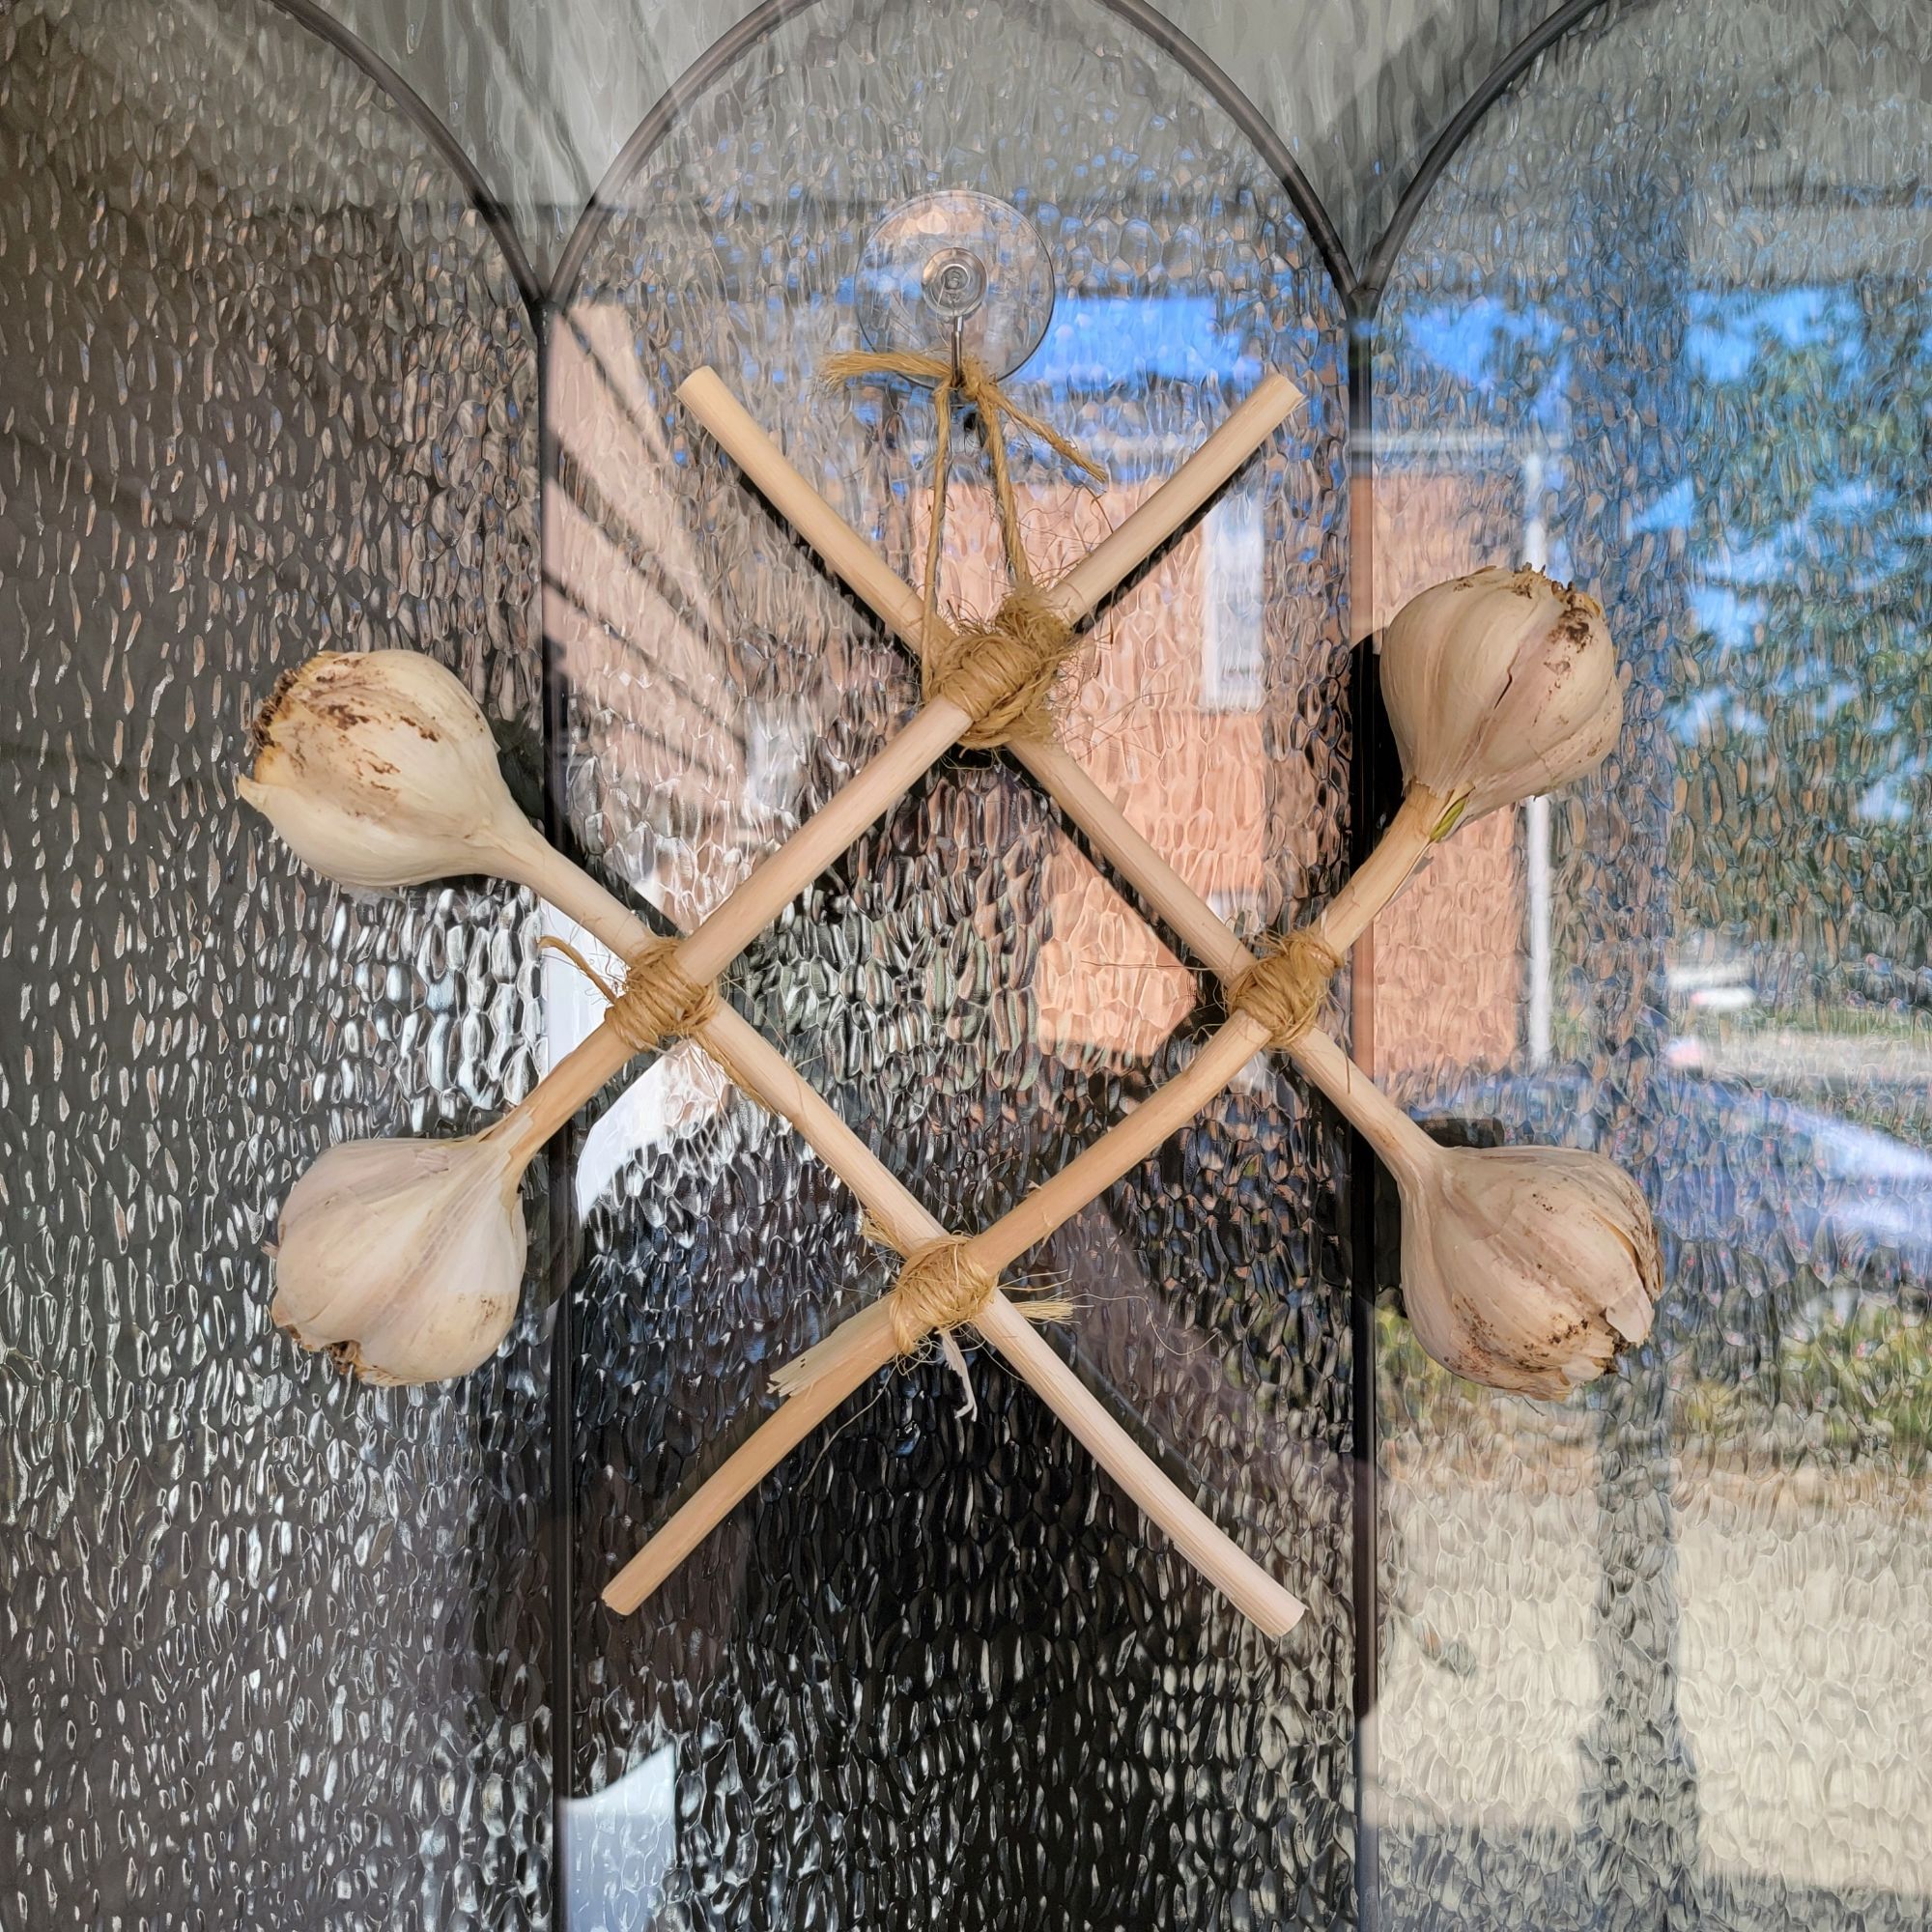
[(658, 1002), (940, 1287), (1001, 671), (1284, 989)]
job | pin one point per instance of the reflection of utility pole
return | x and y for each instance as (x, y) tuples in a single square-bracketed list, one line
[(1536, 811)]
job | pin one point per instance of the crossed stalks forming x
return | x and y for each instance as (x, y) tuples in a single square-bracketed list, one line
[(669, 991)]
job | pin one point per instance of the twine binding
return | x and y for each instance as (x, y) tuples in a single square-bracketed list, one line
[(1001, 671), (940, 1287), (1284, 989), (658, 1002)]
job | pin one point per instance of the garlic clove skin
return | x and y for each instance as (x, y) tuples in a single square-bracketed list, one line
[(379, 770), (1527, 1270), (402, 1258), (1499, 686)]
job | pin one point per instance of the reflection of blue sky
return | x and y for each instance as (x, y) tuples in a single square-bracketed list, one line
[(1115, 348), (1669, 511), (1466, 340), (1728, 617), (1100, 343), (1886, 800), (1463, 338), (1729, 329)]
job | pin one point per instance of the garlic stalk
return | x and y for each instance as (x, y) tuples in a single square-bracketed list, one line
[(402, 1258), (1526, 1268), (1500, 685)]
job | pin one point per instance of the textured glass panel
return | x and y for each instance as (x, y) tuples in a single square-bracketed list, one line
[(274, 1644), (543, 96), (1358, 91), (937, 1671), (1658, 1658)]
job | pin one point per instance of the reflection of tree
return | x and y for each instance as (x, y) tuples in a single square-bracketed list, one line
[(1640, 1809), (1804, 691)]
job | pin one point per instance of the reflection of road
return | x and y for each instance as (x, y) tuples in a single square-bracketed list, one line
[(1806, 1623), (1784, 1060)]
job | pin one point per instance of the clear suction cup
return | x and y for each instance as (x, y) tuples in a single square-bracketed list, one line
[(956, 269)]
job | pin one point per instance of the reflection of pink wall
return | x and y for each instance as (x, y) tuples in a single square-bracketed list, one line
[(630, 621), (637, 647), (1446, 980), (1190, 779)]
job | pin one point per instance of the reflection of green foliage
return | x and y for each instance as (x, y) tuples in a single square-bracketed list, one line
[(1414, 1392), (1859, 1389), (1805, 708), (1869, 1383)]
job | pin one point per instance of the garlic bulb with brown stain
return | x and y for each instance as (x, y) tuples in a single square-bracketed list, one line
[(404, 1259), (1499, 686), (1527, 1268), (379, 770)]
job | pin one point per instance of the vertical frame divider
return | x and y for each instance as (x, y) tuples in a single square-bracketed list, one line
[(559, 1161), (1373, 793)]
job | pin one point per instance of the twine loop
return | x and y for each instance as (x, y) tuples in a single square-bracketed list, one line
[(658, 1002), (1001, 671), (1284, 989)]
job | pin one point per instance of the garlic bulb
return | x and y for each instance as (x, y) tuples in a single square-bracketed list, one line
[(1526, 1268), (379, 770), (1499, 686), (402, 1258)]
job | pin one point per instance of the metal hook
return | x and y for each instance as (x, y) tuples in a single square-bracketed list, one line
[(959, 349)]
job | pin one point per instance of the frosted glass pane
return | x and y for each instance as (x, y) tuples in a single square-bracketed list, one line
[(274, 1644)]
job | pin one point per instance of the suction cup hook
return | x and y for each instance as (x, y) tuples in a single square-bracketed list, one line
[(956, 274)]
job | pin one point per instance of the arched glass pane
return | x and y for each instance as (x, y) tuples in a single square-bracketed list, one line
[(899, 1681), (275, 1640), (543, 96), (1657, 1658)]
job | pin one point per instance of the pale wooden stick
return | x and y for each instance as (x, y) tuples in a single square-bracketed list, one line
[(743, 438), (1121, 1148), (780, 879), (770, 1078), (1237, 1577), (762, 1071), (1116, 557), (1075, 595), (1064, 779), (741, 1472), (1406, 1151)]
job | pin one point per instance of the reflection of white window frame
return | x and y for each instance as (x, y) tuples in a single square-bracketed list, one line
[(1233, 624), (1246, 911), (774, 742)]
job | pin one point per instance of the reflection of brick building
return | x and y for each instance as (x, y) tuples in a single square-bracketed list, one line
[(1448, 977), (1164, 710)]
